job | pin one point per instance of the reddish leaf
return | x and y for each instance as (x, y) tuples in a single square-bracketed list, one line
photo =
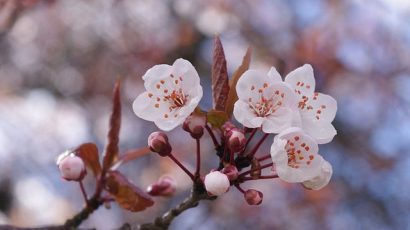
[(232, 96), (127, 195), (216, 118), (88, 152), (131, 155), (220, 83), (111, 149)]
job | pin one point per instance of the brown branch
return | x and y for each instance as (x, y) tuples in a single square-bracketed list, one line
[(198, 193)]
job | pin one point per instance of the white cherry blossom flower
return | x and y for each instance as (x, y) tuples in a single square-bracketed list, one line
[(322, 180), (295, 155), (317, 110), (172, 94), (264, 100)]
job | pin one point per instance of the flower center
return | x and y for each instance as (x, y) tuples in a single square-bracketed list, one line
[(298, 153), (176, 99), (266, 106)]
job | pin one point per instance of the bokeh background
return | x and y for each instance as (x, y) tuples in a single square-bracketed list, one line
[(59, 61)]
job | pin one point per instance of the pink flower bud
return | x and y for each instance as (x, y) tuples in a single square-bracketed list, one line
[(216, 183), (236, 140), (158, 143), (165, 186), (71, 167), (253, 197), (194, 125), (228, 126), (231, 172)]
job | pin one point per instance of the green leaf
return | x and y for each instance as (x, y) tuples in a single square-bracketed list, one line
[(126, 194), (88, 152), (216, 118), (220, 82), (232, 96)]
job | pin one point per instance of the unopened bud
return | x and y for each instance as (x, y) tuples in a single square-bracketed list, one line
[(71, 167), (216, 183), (194, 125), (231, 172), (165, 186), (236, 140), (253, 197), (158, 143), (226, 127)]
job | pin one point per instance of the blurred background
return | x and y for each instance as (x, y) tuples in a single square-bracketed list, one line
[(59, 61)]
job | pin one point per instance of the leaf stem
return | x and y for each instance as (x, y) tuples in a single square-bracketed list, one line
[(83, 191), (264, 157)]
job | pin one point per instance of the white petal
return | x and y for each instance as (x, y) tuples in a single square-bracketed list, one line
[(185, 74), (273, 73), (322, 132), (144, 107), (302, 80), (281, 92), (320, 108), (299, 161), (245, 116), (277, 122), (152, 78), (322, 180), (251, 82)]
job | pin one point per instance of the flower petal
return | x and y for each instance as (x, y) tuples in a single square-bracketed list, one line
[(302, 80), (322, 179), (319, 108), (274, 74), (322, 132), (185, 74), (153, 77), (299, 160), (251, 82), (146, 107), (277, 122), (245, 116)]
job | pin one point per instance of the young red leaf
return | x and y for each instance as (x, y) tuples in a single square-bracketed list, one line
[(232, 96), (216, 118), (111, 149), (220, 83), (88, 152), (131, 155), (126, 194)]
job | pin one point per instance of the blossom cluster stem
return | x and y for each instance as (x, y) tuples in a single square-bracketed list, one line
[(264, 157), (249, 139), (246, 178), (182, 166), (255, 169), (198, 157), (255, 149), (211, 133)]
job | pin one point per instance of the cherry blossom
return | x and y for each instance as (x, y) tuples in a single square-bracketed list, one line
[(316, 110), (322, 179), (295, 155), (172, 94), (264, 101)]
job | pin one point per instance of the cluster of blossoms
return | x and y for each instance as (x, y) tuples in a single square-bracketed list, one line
[(300, 117), (292, 109)]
